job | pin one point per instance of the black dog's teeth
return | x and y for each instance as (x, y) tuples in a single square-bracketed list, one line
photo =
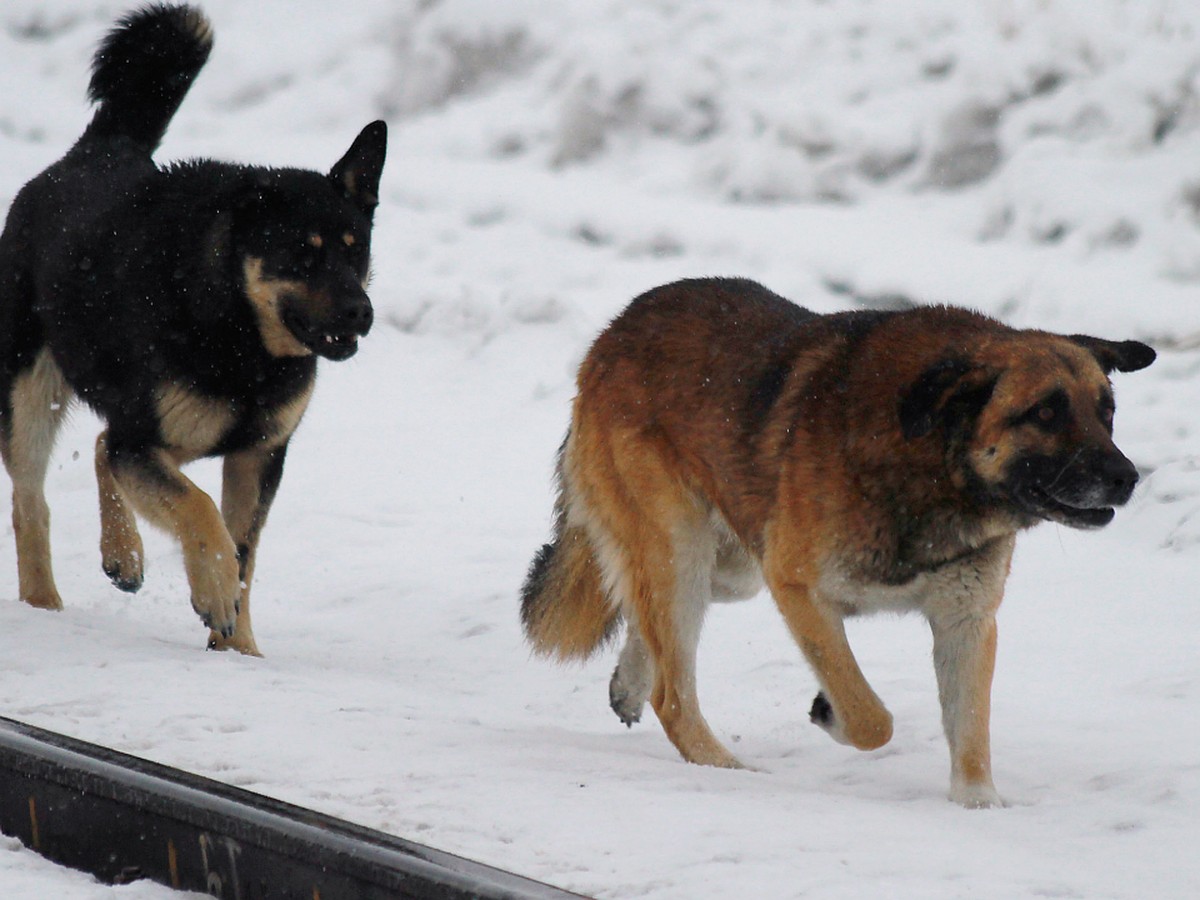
[(821, 712)]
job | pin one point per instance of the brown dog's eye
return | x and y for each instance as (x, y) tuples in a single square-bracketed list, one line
[(1107, 410), (1052, 414)]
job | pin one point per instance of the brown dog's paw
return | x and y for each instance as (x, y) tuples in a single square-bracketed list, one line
[(822, 711), (863, 733), (627, 707), (629, 687)]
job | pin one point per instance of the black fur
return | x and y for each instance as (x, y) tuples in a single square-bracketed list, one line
[(821, 712), (920, 402), (143, 69), (133, 274), (136, 276), (1123, 356)]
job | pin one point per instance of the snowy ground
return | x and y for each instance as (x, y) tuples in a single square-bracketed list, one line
[(1036, 160)]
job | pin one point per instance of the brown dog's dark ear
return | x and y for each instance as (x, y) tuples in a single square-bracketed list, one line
[(1124, 356), (358, 172), (947, 393)]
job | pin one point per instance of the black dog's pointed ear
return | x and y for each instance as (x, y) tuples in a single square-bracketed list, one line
[(1124, 356), (948, 391), (357, 173)]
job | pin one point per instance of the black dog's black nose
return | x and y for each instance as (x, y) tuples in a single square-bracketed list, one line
[(357, 314)]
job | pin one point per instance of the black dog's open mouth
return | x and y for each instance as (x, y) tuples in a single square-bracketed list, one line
[(1043, 505), (331, 344)]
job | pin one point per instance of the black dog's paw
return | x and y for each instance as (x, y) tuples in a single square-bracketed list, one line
[(130, 584), (821, 712)]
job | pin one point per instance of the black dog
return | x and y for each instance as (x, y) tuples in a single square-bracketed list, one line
[(187, 305)]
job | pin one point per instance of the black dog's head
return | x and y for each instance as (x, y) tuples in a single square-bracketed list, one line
[(1030, 419), (304, 243)]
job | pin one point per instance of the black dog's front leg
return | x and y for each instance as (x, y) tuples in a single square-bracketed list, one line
[(149, 479), (250, 481)]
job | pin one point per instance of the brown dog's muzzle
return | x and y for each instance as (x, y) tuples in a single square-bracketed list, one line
[(1078, 489)]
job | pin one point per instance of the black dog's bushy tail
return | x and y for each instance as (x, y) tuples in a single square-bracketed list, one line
[(143, 69)]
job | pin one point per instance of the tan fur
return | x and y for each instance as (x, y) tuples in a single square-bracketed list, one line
[(856, 465), (569, 632), (239, 509), (169, 500), (265, 295), (39, 399), (191, 424), (122, 554), (286, 419)]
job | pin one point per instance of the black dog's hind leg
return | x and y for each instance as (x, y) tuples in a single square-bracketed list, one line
[(121, 552), (32, 412), (150, 481), (249, 482)]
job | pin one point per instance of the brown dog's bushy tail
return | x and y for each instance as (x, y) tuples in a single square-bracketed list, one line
[(142, 70), (565, 608)]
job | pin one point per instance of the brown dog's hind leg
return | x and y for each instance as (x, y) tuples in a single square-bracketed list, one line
[(657, 553), (632, 679), (671, 580), (37, 402), (121, 552)]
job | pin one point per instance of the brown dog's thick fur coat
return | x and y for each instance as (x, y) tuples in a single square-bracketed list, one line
[(856, 462)]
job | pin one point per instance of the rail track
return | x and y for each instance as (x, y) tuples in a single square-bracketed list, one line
[(123, 818)]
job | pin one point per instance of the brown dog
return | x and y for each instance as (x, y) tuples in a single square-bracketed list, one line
[(857, 462)]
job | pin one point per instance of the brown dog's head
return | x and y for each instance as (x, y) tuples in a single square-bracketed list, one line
[(1027, 420)]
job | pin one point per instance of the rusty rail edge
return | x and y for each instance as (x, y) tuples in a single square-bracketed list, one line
[(123, 818)]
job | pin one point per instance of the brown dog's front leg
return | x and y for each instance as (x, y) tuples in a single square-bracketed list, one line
[(961, 610), (846, 708), (964, 654)]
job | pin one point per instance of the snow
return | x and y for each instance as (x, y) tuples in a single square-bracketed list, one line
[(1035, 159)]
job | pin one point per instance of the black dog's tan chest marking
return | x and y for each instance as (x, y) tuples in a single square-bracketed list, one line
[(193, 424)]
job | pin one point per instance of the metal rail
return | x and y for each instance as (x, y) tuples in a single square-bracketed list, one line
[(123, 818)]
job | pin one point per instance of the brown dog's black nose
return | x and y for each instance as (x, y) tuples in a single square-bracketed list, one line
[(1119, 477)]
